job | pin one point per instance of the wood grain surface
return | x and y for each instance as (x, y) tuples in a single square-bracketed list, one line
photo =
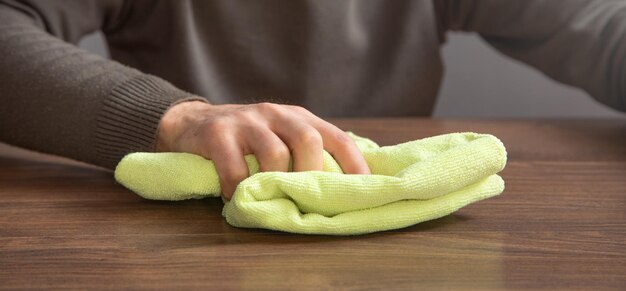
[(560, 224)]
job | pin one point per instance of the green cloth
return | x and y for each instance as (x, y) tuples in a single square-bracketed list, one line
[(410, 182)]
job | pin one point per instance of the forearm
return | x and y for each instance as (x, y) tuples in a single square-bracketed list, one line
[(59, 99), (580, 42)]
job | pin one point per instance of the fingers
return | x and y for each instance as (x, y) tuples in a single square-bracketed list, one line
[(339, 145), (305, 144), (269, 149), (230, 164), (343, 149), (273, 132)]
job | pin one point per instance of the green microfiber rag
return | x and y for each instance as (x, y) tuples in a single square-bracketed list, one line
[(410, 182)]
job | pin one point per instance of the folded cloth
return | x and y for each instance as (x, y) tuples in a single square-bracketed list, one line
[(410, 183)]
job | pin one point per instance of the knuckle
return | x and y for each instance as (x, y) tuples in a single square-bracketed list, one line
[(299, 109), (344, 141), (267, 107), (310, 137), (278, 153)]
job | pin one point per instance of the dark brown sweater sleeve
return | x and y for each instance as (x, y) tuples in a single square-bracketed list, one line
[(577, 42), (57, 98)]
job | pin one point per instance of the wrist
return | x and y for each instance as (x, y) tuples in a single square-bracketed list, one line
[(171, 124)]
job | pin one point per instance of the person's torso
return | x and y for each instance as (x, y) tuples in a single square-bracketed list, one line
[(334, 57)]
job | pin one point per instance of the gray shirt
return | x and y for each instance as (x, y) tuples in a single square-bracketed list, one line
[(334, 57)]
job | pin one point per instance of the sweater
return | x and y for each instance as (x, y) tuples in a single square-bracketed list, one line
[(334, 57)]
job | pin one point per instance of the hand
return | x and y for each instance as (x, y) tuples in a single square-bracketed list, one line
[(272, 132)]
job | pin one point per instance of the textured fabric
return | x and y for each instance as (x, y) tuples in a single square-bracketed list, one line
[(410, 183), (334, 57), (59, 99)]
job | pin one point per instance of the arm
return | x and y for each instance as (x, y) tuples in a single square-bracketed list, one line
[(59, 99), (577, 42)]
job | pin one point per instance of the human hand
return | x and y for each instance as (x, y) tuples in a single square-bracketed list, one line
[(272, 132)]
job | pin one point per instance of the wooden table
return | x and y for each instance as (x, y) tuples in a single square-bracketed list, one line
[(561, 223)]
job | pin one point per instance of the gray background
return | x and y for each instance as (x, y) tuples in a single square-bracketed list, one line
[(480, 82)]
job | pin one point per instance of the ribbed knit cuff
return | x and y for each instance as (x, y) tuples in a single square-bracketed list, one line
[(130, 116)]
